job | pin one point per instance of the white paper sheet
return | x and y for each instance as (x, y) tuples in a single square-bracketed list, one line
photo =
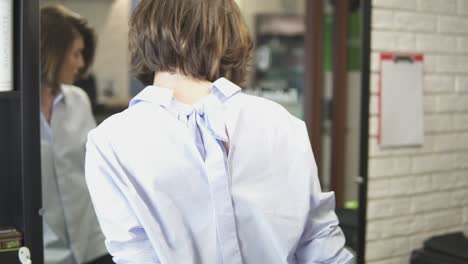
[(401, 122), (6, 45)]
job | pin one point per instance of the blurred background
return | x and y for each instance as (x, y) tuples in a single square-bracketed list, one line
[(321, 60)]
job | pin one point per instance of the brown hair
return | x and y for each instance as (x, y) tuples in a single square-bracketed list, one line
[(59, 27), (203, 39)]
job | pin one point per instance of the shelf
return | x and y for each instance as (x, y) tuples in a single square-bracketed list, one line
[(9, 257), (10, 95), (20, 193)]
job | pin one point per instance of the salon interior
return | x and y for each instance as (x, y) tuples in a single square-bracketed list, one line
[(381, 85)]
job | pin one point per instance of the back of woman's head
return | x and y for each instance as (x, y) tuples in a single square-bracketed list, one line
[(203, 39), (59, 27)]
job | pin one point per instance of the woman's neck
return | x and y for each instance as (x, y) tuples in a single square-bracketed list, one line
[(186, 89)]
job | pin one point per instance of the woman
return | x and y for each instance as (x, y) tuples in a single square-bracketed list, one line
[(195, 171), (71, 230)]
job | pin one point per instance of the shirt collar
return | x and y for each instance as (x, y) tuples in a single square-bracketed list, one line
[(226, 87), (47, 133), (222, 88), (59, 98)]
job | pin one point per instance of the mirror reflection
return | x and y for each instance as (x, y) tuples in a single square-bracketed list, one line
[(86, 78), (71, 231)]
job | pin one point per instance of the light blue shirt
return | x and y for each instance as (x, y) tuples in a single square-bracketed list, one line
[(166, 190), (71, 231)]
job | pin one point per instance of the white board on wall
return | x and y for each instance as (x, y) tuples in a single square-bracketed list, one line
[(401, 110), (6, 45)]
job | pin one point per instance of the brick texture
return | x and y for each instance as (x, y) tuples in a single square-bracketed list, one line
[(418, 192)]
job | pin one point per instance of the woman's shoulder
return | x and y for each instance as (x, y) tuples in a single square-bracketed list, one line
[(257, 115), (131, 121), (255, 107), (75, 94), (268, 122)]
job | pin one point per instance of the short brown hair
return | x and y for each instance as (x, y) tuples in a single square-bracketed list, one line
[(203, 39), (59, 27)]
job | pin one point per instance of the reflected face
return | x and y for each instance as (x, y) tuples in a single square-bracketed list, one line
[(73, 61)]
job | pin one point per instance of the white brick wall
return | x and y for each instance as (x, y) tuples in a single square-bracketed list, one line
[(462, 7), (438, 6), (462, 83), (417, 192)]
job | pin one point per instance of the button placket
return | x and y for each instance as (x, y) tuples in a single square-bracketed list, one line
[(221, 196)]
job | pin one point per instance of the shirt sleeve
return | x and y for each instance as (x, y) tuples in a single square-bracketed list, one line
[(322, 240), (126, 240)]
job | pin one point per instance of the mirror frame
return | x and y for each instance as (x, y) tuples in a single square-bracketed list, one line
[(364, 140)]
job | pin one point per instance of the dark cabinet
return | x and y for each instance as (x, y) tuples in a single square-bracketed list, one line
[(20, 172)]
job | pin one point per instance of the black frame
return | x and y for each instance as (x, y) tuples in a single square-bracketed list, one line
[(364, 150), (29, 83), (21, 157)]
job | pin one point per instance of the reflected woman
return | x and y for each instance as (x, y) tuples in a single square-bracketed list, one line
[(71, 231)]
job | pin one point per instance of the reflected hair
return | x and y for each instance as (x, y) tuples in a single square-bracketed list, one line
[(59, 28), (203, 39)]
